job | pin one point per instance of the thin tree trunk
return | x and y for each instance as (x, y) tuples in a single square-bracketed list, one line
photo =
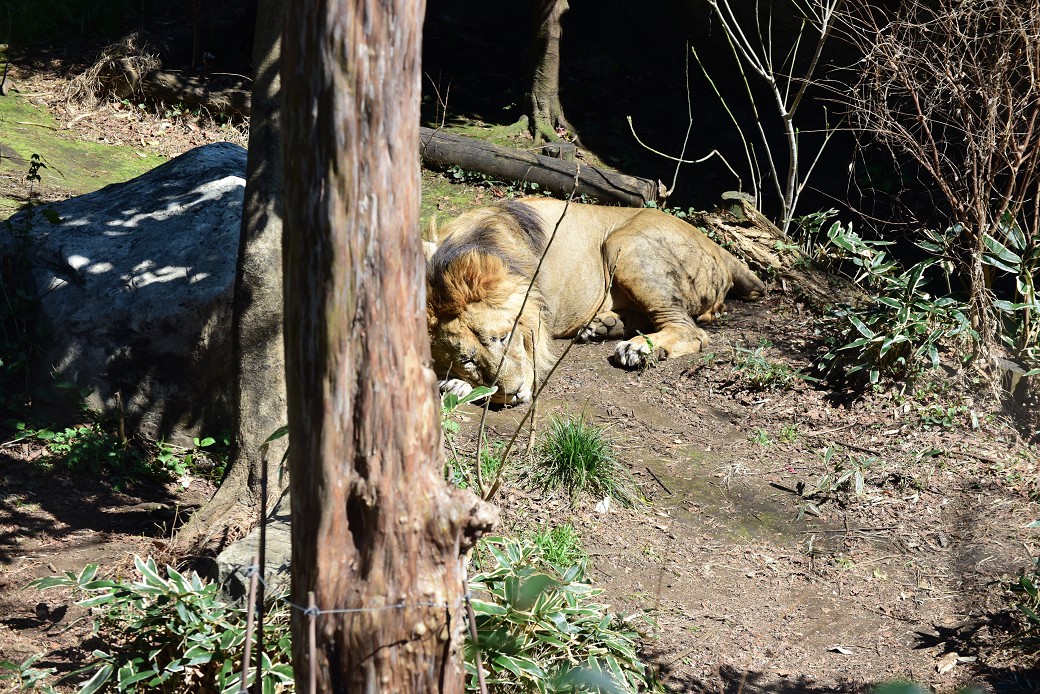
[(546, 109), (257, 322), (375, 527)]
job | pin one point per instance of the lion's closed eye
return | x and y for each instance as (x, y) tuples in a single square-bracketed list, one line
[(491, 339)]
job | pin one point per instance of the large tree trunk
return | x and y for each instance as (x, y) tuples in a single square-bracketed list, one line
[(257, 321), (546, 110), (375, 527)]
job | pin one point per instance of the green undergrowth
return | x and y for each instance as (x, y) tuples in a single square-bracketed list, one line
[(166, 631), (97, 448), (539, 628), (560, 545), (760, 372)]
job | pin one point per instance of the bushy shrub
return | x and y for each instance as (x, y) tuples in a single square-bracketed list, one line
[(539, 628), (901, 330), (1027, 599), (172, 633)]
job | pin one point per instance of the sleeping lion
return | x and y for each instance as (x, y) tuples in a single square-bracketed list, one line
[(609, 273)]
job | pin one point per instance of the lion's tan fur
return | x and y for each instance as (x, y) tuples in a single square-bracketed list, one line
[(606, 267)]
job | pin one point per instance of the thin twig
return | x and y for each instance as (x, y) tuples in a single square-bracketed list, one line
[(658, 479), (243, 686), (472, 619), (312, 643)]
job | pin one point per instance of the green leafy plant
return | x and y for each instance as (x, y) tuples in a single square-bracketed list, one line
[(559, 545), (843, 474), (788, 434), (899, 332), (206, 458), (576, 456), (760, 372), (25, 677), (761, 437), (808, 231), (460, 470), (1027, 599), (540, 629), (450, 402), (1019, 257), (170, 632), (88, 448), (937, 415)]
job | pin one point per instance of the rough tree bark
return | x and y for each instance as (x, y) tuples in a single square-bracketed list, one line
[(375, 527), (546, 110), (257, 321)]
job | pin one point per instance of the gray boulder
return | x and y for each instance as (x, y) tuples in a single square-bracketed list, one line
[(135, 285), (233, 566)]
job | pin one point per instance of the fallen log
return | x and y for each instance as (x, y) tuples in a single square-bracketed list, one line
[(441, 151)]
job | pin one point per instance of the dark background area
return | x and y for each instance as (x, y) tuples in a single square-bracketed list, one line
[(626, 58), (620, 59)]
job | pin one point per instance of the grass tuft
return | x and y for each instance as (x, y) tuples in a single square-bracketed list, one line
[(576, 456)]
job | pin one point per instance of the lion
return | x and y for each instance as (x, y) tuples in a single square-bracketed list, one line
[(608, 273)]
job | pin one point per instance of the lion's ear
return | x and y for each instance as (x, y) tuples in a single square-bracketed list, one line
[(428, 249)]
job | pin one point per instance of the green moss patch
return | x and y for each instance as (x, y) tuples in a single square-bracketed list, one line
[(73, 167)]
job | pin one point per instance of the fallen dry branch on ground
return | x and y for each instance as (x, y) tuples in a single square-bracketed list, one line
[(750, 236)]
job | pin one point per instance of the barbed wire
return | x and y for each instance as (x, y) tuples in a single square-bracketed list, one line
[(250, 571)]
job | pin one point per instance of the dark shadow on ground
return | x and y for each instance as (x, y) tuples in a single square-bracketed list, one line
[(77, 502), (730, 680)]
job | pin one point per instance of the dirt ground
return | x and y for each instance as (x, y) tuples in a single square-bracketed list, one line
[(749, 590), (898, 582)]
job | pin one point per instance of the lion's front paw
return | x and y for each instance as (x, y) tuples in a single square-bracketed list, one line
[(632, 353), (456, 386), (605, 326)]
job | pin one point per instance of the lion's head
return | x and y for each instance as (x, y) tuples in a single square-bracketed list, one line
[(476, 288)]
